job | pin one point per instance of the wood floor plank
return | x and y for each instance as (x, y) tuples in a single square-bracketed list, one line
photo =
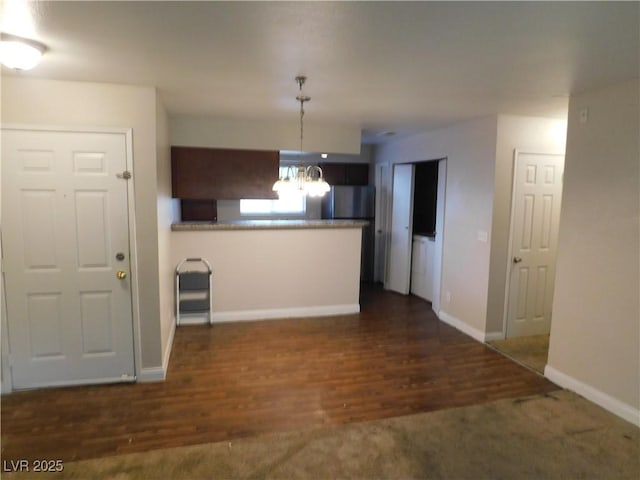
[(236, 380)]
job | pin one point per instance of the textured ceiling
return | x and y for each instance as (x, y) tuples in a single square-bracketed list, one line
[(383, 66)]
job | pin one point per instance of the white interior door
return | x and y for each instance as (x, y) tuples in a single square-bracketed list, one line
[(380, 242), (401, 229), (66, 257), (534, 235)]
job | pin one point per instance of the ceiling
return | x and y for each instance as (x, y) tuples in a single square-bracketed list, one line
[(383, 66)]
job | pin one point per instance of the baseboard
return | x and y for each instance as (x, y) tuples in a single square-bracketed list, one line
[(615, 406), (168, 347), (462, 326), (159, 374), (5, 387), (491, 336), (153, 374), (273, 314)]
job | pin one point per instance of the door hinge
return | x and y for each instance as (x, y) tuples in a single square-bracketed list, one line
[(126, 175)]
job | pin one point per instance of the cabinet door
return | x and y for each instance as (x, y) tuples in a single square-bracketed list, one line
[(198, 210), (357, 174), (334, 173), (211, 173), (346, 173)]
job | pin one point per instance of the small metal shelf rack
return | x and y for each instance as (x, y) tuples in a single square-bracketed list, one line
[(194, 289)]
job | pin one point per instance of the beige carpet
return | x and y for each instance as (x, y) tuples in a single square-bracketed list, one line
[(554, 436), (529, 351)]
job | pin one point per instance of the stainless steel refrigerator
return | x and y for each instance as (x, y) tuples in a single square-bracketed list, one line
[(354, 203)]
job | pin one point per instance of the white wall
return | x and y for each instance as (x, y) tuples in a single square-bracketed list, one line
[(277, 273), (263, 135), (30, 101), (526, 134), (168, 212), (470, 151), (595, 332)]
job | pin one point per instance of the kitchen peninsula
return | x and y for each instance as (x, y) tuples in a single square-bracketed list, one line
[(276, 268)]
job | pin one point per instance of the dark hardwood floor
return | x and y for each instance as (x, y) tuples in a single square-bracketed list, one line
[(235, 380)]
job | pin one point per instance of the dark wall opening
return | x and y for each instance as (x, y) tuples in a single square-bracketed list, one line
[(425, 198)]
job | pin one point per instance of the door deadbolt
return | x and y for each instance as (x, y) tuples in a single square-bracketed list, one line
[(120, 256), (121, 274)]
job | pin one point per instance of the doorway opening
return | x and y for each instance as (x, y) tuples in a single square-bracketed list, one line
[(535, 219), (417, 229)]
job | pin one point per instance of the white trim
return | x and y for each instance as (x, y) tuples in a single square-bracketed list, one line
[(168, 348), (152, 374), (615, 406), (78, 383), (63, 128), (6, 383), (274, 314), (438, 254), (491, 336), (462, 326), (133, 256)]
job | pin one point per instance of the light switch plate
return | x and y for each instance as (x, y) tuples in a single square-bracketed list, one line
[(584, 115)]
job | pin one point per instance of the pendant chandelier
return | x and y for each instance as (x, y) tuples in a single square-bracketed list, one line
[(302, 180)]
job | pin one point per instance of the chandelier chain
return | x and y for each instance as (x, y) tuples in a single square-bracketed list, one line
[(305, 180)]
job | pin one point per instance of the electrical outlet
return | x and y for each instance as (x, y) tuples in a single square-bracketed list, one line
[(447, 296)]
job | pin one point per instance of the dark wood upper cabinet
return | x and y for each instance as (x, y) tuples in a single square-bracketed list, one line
[(345, 173), (223, 174), (198, 210)]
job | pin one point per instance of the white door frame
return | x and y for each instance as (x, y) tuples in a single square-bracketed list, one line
[(7, 380), (381, 222), (438, 253), (516, 153)]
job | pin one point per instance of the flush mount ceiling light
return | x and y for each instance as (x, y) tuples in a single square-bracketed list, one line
[(20, 53), (302, 180)]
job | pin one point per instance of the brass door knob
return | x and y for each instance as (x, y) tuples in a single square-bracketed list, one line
[(517, 259), (121, 274)]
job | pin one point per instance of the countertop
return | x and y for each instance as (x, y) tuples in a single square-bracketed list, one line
[(267, 225)]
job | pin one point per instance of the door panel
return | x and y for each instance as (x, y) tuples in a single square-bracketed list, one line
[(65, 216), (401, 229), (43, 317), (534, 233), (97, 328), (38, 229)]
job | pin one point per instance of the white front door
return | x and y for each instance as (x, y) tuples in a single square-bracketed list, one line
[(534, 235), (401, 229), (66, 257)]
